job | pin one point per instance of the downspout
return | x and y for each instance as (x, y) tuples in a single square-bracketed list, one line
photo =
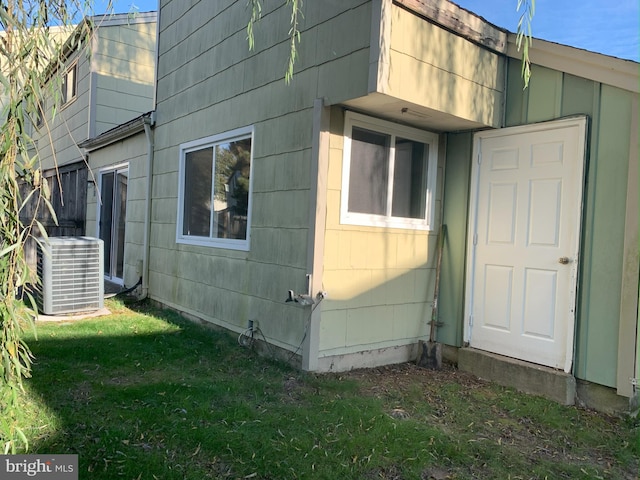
[(149, 121)]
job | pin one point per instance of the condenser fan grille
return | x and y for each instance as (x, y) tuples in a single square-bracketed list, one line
[(70, 273)]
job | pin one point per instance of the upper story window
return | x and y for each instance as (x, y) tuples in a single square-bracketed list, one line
[(69, 84), (214, 194), (389, 174)]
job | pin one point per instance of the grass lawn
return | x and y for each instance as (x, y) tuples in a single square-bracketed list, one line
[(146, 395)]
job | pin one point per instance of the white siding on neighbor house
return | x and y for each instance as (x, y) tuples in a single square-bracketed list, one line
[(118, 101), (210, 83), (123, 65), (131, 151), (62, 133), (115, 79)]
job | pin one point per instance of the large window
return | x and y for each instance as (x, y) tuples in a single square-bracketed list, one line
[(389, 174), (214, 199)]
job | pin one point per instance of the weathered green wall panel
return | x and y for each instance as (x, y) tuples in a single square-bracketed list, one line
[(455, 217), (517, 97), (552, 95), (602, 259), (545, 92), (208, 83), (578, 96), (582, 96)]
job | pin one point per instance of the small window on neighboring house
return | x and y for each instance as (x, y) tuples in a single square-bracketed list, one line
[(214, 195), (389, 174), (69, 82)]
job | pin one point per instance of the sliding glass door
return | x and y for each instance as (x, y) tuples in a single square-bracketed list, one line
[(112, 220)]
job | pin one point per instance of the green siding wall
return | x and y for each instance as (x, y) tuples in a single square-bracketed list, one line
[(599, 305), (552, 95), (208, 83), (455, 217)]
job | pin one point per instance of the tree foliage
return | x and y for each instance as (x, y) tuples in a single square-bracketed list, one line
[(523, 36), (294, 31), (32, 46)]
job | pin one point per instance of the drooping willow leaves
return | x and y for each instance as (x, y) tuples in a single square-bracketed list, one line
[(34, 39)]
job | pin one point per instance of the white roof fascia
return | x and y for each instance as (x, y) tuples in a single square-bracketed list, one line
[(617, 72), (118, 19)]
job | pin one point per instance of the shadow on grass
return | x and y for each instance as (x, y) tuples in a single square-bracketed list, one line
[(145, 394), (137, 394)]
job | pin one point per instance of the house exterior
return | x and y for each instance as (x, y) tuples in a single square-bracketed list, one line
[(119, 161), (331, 191), (106, 80)]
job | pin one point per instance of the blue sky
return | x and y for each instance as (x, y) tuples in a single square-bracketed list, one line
[(606, 26)]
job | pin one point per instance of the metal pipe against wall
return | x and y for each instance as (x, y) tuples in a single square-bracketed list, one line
[(148, 123)]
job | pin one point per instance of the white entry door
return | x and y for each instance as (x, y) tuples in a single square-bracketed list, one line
[(524, 236)]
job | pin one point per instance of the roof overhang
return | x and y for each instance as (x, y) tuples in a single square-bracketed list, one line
[(459, 21), (119, 133), (606, 69), (601, 68)]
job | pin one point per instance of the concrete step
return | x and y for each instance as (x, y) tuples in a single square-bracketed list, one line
[(523, 376)]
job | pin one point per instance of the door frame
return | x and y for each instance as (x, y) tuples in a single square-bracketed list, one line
[(581, 122), (101, 172)]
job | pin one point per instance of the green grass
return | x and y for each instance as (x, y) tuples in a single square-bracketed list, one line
[(146, 395)]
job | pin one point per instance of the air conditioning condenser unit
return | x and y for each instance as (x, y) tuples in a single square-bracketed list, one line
[(70, 270)]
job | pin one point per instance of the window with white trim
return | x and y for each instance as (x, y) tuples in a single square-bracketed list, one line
[(214, 194), (388, 174), (69, 84)]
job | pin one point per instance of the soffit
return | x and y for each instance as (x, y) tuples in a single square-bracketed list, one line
[(411, 114)]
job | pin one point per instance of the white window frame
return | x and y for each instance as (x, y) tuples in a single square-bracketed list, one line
[(65, 84), (394, 130), (120, 167), (195, 145)]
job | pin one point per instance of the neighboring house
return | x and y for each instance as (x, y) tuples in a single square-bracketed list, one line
[(57, 37), (119, 159), (104, 81), (401, 116)]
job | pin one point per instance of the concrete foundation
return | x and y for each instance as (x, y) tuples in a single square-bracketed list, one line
[(547, 382), (604, 399), (525, 377)]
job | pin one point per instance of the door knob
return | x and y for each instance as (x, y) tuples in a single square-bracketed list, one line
[(564, 260)]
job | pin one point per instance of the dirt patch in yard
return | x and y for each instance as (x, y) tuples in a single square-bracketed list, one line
[(473, 410)]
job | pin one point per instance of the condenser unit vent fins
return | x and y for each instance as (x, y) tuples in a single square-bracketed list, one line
[(71, 276)]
